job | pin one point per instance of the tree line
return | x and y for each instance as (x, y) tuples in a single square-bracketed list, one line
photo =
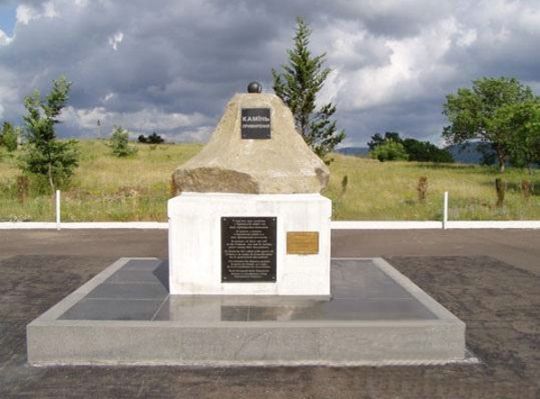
[(391, 147), (501, 115)]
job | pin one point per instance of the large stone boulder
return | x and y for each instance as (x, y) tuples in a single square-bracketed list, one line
[(281, 164)]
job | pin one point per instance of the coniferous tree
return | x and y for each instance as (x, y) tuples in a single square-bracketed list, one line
[(298, 84), (119, 143), (44, 154)]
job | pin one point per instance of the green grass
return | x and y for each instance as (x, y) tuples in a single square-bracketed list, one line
[(106, 188)]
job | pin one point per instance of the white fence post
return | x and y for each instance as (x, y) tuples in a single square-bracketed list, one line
[(445, 211), (57, 209)]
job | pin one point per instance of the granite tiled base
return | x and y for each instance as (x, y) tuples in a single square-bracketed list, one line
[(125, 315)]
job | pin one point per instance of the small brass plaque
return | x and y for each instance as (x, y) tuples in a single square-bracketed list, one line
[(302, 242)]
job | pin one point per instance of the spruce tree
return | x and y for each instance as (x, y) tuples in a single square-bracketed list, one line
[(44, 154), (298, 84), (119, 143)]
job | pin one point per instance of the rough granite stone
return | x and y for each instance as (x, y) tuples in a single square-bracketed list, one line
[(283, 164)]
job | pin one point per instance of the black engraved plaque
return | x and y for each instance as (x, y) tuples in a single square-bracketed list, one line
[(248, 249), (255, 123)]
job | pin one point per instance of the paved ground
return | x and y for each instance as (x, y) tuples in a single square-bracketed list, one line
[(490, 279)]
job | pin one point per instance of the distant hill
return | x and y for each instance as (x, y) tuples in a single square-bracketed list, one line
[(355, 151), (468, 153)]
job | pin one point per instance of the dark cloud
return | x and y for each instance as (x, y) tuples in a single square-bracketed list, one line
[(171, 66)]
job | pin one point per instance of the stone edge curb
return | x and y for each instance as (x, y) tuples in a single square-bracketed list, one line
[(38, 354)]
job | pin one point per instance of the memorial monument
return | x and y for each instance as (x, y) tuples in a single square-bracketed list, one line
[(249, 280), (249, 208)]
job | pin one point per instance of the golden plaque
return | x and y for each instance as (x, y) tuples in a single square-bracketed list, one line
[(302, 242)]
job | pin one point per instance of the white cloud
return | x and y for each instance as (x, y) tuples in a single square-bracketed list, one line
[(25, 13), (115, 39), (81, 3), (201, 134), (148, 119), (411, 60), (4, 39), (467, 37), (8, 93), (48, 10), (107, 97)]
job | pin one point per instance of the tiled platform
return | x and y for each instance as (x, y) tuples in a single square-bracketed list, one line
[(126, 316)]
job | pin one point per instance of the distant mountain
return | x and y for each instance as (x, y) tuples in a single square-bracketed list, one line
[(355, 151), (468, 153)]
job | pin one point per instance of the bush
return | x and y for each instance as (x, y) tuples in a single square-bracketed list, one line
[(424, 151), (390, 150), (154, 138), (419, 151), (119, 143), (9, 137)]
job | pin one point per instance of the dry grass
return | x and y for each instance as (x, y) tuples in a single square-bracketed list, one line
[(388, 191), (137, 188), (104, 187)]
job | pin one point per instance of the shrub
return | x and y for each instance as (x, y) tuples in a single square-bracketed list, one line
[(119, 143), (420, 151), (390, 150), (153, 138), (141, 139), (9, 137), (422, 188)]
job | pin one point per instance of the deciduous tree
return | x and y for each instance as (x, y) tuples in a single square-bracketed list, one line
[(472, 113), (523, 120), (390, 150)]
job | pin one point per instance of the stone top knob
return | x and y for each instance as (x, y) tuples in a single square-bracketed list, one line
[(254, 87)]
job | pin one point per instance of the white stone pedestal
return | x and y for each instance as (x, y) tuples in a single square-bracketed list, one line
[(195, 243)]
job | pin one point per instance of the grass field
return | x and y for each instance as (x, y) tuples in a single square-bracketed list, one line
[(106, 188)]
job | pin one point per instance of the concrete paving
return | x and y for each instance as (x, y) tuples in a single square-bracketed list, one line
[(520, 248), (487, 278)]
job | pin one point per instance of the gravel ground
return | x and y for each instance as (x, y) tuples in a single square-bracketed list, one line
[(499, 302)]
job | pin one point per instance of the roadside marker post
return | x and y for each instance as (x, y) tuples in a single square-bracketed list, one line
[(445, 211), (57, 209)]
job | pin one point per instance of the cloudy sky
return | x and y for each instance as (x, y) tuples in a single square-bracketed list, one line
[(171, 65)]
